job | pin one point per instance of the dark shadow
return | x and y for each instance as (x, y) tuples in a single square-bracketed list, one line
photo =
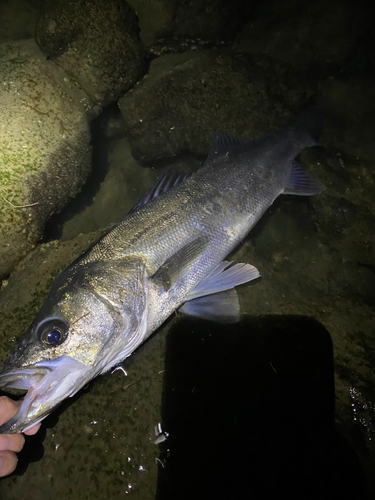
[(249, 409)]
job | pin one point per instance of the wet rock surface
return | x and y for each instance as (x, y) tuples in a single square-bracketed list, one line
[(44, 146), (95, 42)]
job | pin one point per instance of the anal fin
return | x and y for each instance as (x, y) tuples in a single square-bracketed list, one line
[(224, 278), (222, 307)]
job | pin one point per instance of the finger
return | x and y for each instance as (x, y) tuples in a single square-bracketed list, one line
[(8, 462), (8, 408), (33, 430), (11, 442)]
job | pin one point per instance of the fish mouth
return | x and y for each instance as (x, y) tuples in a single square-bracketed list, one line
[(47, 383)]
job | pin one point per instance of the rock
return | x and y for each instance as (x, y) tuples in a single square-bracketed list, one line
[(187, 97), (45, 153), (155, 19), (96, 43), (211, 21), (17, 20)]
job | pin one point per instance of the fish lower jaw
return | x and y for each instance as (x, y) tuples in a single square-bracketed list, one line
[(61, 379)]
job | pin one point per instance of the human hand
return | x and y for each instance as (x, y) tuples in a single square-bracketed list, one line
[(10, 444)]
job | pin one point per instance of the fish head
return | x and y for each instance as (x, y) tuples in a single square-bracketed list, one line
[(93, 318)]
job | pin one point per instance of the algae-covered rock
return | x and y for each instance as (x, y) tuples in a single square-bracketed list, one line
[(95, 42), (45, 153)]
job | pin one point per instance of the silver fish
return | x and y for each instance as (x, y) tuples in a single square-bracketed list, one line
[(166, 254)]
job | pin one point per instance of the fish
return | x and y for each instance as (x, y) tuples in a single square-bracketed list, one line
[(168, 254)]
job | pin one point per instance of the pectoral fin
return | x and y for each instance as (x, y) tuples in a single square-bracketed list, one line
[(178, 263)]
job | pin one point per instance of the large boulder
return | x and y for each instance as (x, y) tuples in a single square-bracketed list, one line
[(187, 97), (45, 153), (96, 43)]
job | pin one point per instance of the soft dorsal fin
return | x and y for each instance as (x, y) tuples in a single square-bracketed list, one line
[(167, 181), (301, 183), (224, 144)]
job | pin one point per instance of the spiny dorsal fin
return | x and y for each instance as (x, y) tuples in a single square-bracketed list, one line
[(224, 144)]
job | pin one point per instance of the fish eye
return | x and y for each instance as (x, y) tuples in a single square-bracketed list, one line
[(52, 332), (53, 336)]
